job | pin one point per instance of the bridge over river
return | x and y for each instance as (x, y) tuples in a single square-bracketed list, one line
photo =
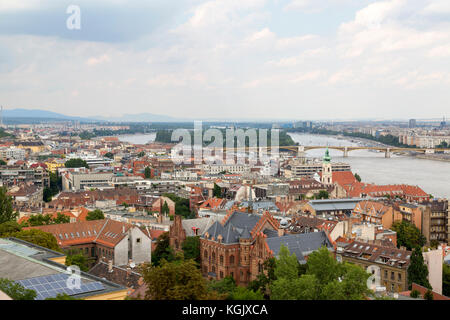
[(346, 149)]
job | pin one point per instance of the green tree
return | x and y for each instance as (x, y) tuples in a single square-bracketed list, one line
[(9, 227), (357, 177), (163, 250), (96, 214), (39, 220), (39, 237), (242, 293), (414, 294), (165, 208), (224, 287), (446, 280), (323, 194), (191, 248), (60, 218), (6, 208), (76, 163), (147, 173), (141, 154), (325, 279), (181, 206), (109, 155), (408, 235), (217, 191), (2, 162), (428, 295), (78, 259), (323, 266), (417, 270), (266, 277), (16, 291), (47, 194), (176, 280)]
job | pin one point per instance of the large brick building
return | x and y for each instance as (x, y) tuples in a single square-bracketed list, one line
[(239, 244)]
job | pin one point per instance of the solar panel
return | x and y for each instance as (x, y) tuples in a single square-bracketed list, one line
[(52, 285)]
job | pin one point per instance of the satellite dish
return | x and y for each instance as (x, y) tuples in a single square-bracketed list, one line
[(132, 265)]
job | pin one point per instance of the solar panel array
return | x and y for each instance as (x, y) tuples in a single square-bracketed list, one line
[(51, 286)]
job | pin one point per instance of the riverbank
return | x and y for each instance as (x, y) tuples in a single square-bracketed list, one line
[(435, 157), (431, 175), (371, 143)]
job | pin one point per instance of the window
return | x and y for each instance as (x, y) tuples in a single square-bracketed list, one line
[(205, 254), (221, 260), (138, 240), (385, 274), (221, 274), (399, 277), (231, 259)]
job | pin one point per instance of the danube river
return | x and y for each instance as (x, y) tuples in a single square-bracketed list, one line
[(432, 176), (139, 138)]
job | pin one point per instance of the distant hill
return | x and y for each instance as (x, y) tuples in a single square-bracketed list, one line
[(29, 114), (141, 117), (40, 114)]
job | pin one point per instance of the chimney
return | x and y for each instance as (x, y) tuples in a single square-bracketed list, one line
[(110, 266)]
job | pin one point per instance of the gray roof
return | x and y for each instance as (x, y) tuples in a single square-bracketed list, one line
[(261, 205), (270, 233), (335, 204), (246, 234), (234, 227), (201, 223), (301, 244)]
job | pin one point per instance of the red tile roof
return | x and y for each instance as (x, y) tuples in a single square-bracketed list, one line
[(106, 232)]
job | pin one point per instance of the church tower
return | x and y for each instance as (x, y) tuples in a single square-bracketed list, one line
[(327, 172)]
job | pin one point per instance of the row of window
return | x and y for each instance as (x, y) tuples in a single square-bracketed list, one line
[(213, 258)]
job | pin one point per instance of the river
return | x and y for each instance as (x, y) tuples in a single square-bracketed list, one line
[(139, 138), (432, 176)]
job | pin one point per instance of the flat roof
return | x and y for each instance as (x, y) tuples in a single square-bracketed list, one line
[(21, 260)]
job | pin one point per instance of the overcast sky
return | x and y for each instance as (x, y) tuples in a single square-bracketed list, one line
[(270, 59)]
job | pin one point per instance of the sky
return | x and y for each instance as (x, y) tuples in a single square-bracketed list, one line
[(230, 59)]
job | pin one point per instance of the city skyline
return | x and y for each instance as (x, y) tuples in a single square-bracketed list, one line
[(286, 59)]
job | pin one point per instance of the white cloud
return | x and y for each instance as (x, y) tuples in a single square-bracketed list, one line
[(93, 61), (437, 7), (6, 5), (440, 51)]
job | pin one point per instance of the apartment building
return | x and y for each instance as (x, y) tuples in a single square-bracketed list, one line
[(387, 263)]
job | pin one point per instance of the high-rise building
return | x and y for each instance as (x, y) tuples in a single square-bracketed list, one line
[(412, 123)]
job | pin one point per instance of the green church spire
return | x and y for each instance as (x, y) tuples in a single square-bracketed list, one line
[(327, 157)]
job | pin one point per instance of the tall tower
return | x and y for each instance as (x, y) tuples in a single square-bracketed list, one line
[(327, 172)]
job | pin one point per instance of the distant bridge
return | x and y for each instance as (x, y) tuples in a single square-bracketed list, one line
[(300, 149)]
